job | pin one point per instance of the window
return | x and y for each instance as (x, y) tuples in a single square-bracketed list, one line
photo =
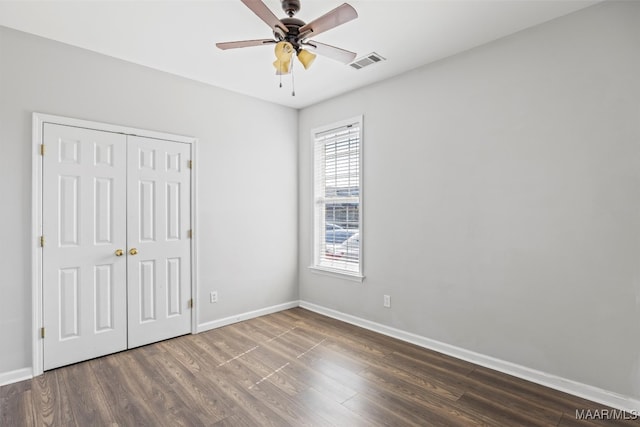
[(337, 191)]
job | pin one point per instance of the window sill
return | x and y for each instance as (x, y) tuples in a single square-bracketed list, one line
[(339, 274)]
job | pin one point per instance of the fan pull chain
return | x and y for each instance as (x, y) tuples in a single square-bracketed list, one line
[(293, 85)]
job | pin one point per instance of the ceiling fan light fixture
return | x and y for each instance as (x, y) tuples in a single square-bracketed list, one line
[(306, 58), (284, 52), (282, 67)]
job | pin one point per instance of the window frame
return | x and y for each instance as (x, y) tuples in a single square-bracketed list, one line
[(316, 234)]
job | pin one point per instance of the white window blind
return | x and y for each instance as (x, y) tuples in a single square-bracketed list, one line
[(337, 190)]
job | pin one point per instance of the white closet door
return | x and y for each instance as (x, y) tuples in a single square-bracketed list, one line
[(159, 264), (84, 224)]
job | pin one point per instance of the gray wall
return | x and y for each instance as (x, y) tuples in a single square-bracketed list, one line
[(521, 162), (246, 163)]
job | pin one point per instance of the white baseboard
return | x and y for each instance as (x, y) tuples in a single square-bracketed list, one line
[(15, 376), (202, 327), (584, 391)]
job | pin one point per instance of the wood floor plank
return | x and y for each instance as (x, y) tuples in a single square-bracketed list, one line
[(330, 409), (500, 412), (124, 396), (86, 399), (449, 378), (515, 402), (411, 387), (382, 409), (334, 389), (9, 397), (375, 413), (339, 373), (490, 379), (43, 399), (235, 420), (286, 406), (11, 390), (167, 398), (28, 414), (231, 398), (341, 356), (232, 381), (295, 368), (261, 331), (421, 378), (205, 342), (251, 408), (205, 395), (12, 403), (63, 411), (410, 399), (276, 373), (430, 360)]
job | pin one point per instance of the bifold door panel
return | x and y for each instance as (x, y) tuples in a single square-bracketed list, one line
[(159, 275), (116, 255), (84, 223)]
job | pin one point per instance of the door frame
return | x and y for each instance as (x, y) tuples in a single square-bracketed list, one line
[(38, 121)]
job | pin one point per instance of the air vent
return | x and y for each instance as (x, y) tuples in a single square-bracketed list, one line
[(365, 61)]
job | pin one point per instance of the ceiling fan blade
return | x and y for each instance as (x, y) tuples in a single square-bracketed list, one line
[(244, 43), (329, 20), (332, 52), (264, 13)]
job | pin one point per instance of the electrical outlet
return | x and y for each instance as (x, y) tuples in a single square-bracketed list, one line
[(213, 297), (387, 301)]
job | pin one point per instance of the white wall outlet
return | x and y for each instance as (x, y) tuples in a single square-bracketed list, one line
[(387, 301), (213, 297)]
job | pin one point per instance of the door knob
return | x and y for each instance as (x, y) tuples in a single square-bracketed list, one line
[(119, 252), (133, 251)]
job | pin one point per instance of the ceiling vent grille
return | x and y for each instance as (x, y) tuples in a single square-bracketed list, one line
[(367, 60)]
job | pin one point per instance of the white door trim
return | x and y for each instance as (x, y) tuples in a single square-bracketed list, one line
[(36, 216)]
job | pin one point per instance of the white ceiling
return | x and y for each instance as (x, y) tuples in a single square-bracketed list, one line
[(179, 37)]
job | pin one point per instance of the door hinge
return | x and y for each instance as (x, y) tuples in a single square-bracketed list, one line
[(42, 149), (190, 164), (42, 241), (190, 234), (42, 332), (190, 303)]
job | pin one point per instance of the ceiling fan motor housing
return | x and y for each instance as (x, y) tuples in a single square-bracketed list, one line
[(290, 7), (293, 36)]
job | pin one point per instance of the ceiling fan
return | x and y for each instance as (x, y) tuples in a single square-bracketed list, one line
[(292, 34)]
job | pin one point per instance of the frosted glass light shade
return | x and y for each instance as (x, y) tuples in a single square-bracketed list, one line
[(284, 51), (306, 58)]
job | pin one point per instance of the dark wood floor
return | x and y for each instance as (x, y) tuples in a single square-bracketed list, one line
[(290, 368)]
